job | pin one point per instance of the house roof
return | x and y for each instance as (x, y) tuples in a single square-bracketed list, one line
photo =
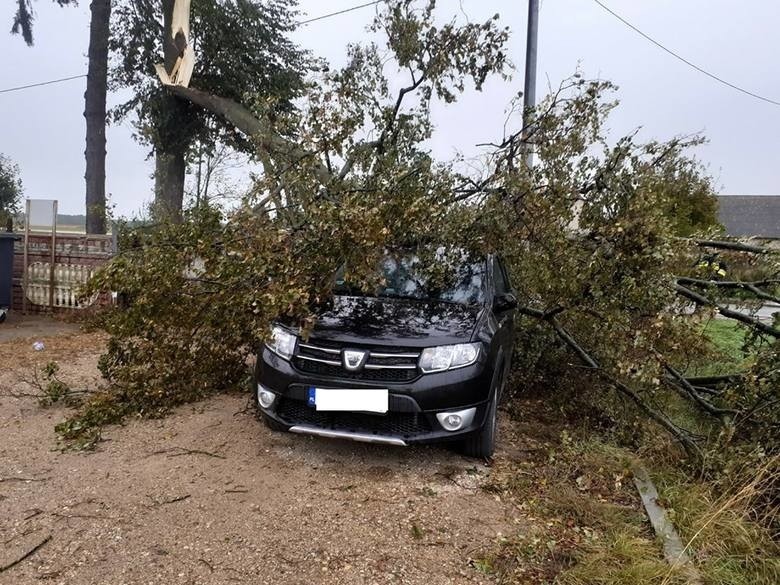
[(750, 215)]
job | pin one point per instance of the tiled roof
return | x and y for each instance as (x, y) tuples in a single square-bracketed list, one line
[(750, 215)]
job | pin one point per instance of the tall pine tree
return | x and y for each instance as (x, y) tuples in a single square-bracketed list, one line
[(94, 102)]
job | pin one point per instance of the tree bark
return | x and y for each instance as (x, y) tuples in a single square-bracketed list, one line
[(170, 171), (95, 115)]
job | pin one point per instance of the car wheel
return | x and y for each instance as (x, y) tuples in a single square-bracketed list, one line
[(482, 444)]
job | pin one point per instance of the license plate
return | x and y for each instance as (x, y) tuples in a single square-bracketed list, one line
[(339, 399)]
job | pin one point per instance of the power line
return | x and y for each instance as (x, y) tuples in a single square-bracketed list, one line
[(339, 12), (684, 60), (303, 22), (41, 83)]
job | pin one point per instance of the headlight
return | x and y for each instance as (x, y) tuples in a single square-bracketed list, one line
[(448, 357), (281, 343)]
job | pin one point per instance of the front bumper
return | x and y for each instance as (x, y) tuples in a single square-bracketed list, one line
[(412, 407)]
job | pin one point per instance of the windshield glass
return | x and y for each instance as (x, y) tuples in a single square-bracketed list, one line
[(452, 278)]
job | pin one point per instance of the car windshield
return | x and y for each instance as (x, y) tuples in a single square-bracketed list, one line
[(453, 279)]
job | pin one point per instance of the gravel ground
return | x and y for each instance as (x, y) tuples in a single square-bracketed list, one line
[(209, 495)]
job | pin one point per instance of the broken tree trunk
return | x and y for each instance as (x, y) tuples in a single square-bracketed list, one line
[(170, 153)]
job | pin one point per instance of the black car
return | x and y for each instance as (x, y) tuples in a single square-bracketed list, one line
[(408, 364)]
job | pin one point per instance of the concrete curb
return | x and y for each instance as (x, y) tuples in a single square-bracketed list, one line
[(675, 551)]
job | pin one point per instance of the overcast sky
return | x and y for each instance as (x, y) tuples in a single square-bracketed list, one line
[(42, 129)]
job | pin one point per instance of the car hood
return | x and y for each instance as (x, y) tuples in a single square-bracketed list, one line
[(389, 321)]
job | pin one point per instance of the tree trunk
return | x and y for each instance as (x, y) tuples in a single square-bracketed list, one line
[(170, 170), (170, 151), (95, 114)]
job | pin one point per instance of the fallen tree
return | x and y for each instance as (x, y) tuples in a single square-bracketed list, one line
[(602, 267)]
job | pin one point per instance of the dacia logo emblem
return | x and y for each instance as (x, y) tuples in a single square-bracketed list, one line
[(353, 359)]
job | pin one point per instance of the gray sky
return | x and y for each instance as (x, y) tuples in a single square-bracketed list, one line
[(42, 129)]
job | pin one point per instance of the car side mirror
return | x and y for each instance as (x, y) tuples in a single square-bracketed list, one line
[(504, 302)]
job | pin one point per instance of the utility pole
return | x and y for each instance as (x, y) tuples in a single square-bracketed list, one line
[(529, 95)]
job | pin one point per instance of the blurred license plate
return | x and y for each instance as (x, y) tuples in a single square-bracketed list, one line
[(338, 399)]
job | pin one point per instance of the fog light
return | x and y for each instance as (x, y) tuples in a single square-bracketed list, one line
[(452, 421), (459, 419), (265, 397)]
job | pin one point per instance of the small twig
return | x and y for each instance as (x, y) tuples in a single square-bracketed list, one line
[(24, 479), (183, 451), (25, 533), (170, 501), (237, 491), (33, 513), (29, 553), (248, 407), (196, 452), (208, 564), (87, 516), (457, 483)]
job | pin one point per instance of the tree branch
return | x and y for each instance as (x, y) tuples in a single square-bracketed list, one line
[(680, 434), (725, 311), (725, 245), (680, 382), (714, 380), (735, 284), (255, 128)]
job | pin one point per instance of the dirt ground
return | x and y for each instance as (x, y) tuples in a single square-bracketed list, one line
[(209, 495), (21, 327)]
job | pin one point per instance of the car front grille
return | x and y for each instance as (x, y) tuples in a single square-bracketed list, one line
[(398, 424), (382, 365)]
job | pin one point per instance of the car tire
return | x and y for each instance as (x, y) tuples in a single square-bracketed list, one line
[(274, 425), (482, 444)]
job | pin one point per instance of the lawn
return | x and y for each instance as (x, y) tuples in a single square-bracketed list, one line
[(727, 356)]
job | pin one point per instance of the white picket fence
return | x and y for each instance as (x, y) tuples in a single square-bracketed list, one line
[(68, 279)]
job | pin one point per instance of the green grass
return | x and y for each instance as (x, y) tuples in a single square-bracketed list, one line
[(587, 523), (727, 336), (726, 355), (583, 524), (728, 546)]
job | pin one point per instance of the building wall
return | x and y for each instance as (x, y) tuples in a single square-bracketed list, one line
[(746, 216)]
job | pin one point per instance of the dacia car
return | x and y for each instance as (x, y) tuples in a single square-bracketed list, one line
[(405, 363)]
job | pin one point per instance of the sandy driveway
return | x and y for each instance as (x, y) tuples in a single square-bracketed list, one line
[(209, 495)]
